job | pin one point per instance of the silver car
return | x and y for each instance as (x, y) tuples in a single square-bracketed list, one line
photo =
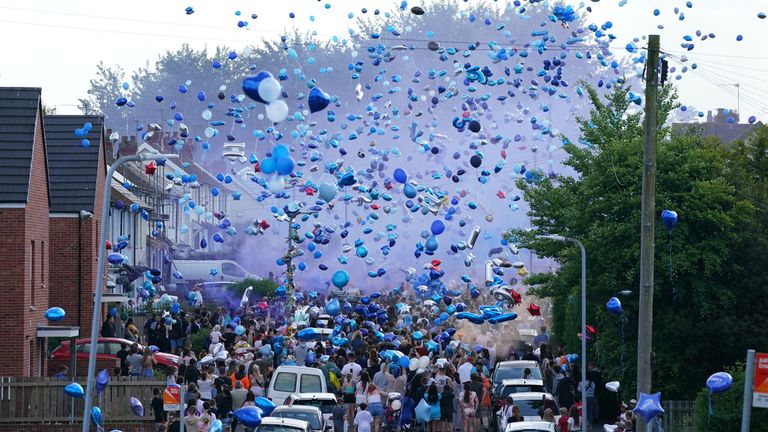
[(309, 414)]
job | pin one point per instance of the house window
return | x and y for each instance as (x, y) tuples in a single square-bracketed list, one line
[(32, 272)]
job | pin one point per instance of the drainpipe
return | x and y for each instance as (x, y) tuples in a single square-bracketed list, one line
[(84, 214)]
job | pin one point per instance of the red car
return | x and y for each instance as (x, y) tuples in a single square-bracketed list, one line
[(107, 350)]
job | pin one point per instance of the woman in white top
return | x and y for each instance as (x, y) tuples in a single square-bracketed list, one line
[(574, 422), (215, 334), (205, 385), (375, 406)]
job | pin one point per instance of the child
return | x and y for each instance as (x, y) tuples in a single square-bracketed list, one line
[(338, 416), (562, 423), (363, 419)]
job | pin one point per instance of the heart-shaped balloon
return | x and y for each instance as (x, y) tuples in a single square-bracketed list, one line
[(318, 100), (251, 86)]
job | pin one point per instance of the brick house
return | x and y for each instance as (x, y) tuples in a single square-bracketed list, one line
[(77, 186), (24, 222)]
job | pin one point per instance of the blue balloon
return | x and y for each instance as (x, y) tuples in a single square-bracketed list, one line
[(318, 100), (719, 382), (438, 227), (308, 334), (98, 419), (614, 306), (417, 335), (649, 406), (216, 426), (400, 175), (74, 390), (403, 362), (333, 308), (285, 165), (268, 166), (239, 330), (409, 190), (669, 218), (471, 317), (55, 314), (509, 316), (431, 244), (340, 279), (280, 151), (115, 258), (249, 416), (327, 192), (251, 86), (265, 405), (422, 411), (102, 379)]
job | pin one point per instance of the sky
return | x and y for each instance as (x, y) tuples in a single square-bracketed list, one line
[(56, 45)]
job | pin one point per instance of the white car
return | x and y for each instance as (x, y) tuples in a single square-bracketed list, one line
[(514, 370), (277, 424), (291, 380), (325, 402), (529, 403), (537, 426), (309, 414), (512, 386)]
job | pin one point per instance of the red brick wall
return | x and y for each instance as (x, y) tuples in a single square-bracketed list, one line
[(20, 314)]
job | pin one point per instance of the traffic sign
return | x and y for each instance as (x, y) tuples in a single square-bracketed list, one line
[(760, 387), (172, 398)]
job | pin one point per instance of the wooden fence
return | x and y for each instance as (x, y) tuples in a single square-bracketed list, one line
[(42, 400)]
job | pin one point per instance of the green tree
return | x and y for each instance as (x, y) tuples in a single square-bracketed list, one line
[(695, 333), (262, 288)]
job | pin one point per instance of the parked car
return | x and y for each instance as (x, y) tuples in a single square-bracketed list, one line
[(290, 380), (107, 350), (537, 426), (277, 424), (309, 414), (529, 404), (323, 401)]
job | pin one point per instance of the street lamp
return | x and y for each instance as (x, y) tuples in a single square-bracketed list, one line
[(583, 321), (99, 276)]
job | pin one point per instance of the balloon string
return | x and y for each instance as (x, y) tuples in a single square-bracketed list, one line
[(659, 426), (709, 413), (622, 347), (671, 282)]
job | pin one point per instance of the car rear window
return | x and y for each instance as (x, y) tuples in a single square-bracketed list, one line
[(530, 408), (310, 384), (277, 428), (308, 417), (285, 382), (508, 390), (325, 405), (515, 373)]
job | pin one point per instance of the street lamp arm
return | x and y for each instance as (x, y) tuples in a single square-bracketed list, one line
[(91, 377)]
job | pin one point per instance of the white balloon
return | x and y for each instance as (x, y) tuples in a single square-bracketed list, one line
[(210, 132), (269, 89), (207, 115), (276, 185), (277, 111), (396, 405), (424, 362), (413, 364), (612, 386)]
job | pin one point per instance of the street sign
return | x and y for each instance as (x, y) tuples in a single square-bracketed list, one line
[(172, 398), (760, 388)]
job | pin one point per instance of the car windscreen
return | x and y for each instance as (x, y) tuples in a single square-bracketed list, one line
[(308, 417), (325, 405), (515, 373), (508, 390)]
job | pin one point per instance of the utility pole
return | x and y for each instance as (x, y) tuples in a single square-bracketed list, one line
[(647, 225)]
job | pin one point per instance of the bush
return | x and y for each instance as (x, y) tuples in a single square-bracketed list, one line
[(726, 407), (197, 340), (263, 288)]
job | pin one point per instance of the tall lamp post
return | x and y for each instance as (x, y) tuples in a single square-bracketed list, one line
[(91, 378), (583, 320)]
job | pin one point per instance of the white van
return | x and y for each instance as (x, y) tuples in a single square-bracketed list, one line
[(200, 270), (290, 380)]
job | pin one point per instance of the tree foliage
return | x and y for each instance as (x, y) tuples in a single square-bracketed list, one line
[(705, 310), (727, 406)]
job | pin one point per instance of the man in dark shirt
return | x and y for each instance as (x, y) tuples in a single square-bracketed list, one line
[(149, 330), (566, 388), (229, 337), (192, 374), (529, 355), (157, 407), (123, 356), (108, 328)]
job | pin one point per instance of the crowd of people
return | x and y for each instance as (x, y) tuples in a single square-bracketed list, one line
[(246, 344)]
